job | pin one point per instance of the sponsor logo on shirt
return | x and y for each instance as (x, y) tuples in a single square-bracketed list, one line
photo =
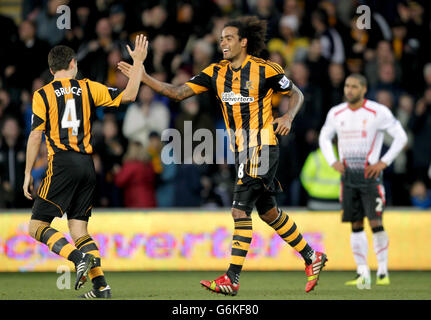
[(232, 98)]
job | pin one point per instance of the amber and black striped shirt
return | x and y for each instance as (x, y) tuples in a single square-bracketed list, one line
[(245, 96), (65, 108)]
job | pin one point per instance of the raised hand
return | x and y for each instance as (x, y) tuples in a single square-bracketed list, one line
[(141, 49)]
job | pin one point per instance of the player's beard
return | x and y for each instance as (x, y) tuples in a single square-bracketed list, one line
[(353, 100)]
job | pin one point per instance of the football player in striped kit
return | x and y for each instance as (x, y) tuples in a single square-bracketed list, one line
[(359, 125)]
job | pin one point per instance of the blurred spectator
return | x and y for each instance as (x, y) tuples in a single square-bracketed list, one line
[(110, 150), (117, 19), (188, 185), (401, 164), (332, 43), (383, 54), (292, 47), (136, 178), (8, 107), (21, 69), (427, 75), (92, 55), (321, 181), (265, 9), (202, 55), (420, 125), (420, 196), (334, 89), (144, 117), (189, 121), (12, 164), (387, 81), (307, 121), (316, 64), (46, 21)]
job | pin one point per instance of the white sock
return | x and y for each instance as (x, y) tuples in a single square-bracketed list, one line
[(380, 244), (359, 244)]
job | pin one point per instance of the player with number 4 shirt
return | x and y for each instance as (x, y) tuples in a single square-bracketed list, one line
[(63, 111)]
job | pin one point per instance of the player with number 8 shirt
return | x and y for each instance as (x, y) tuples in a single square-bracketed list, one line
[(244, 85)]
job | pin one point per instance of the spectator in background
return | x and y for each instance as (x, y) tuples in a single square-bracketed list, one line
[(266, 10), (93, 54), (144, 117), (321, 181), (332, 43), (110, 150), (290, 158), (292, 47), (202, 55), (136, 178), (308, 119), (165, 189), (22, 68), (401, 165), (317, 64), (420, 196), (117, 18), (333, 91), (427, 75), (192, 117), (381, 55), (12, 164), (387, 81), (420, 125), (9, 107), (46, 21)]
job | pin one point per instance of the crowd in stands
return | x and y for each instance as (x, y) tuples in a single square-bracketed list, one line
[(317, 43)]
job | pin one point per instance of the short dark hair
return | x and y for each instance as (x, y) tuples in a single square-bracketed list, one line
[(59, 58), (362, 80), (254, 30)]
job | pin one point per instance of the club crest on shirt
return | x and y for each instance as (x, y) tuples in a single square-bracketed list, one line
[(249, 85)]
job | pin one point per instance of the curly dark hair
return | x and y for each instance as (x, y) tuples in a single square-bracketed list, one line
[(254, 30)]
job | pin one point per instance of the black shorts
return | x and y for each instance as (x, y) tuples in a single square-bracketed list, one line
[(68, 187), (364, 201), (255, 183)]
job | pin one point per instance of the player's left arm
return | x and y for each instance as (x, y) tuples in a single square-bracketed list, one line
[(33, 147), (280, 83), (392, 126), (34, 140)]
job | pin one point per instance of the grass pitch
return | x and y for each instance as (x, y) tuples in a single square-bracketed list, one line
[(413, 285)]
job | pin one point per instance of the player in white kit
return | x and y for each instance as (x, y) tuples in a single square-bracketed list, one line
[(359, 125)]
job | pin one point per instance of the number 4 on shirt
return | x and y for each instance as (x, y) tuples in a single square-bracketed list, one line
[(69, 119)]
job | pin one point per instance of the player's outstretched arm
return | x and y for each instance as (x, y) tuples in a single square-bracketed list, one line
[(136, 70), (171, 91)]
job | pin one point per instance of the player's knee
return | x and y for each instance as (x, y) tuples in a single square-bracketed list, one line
[(77, 228), (376, 226), (358, 226), (34, 225), (268, 214), (238, 214)]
